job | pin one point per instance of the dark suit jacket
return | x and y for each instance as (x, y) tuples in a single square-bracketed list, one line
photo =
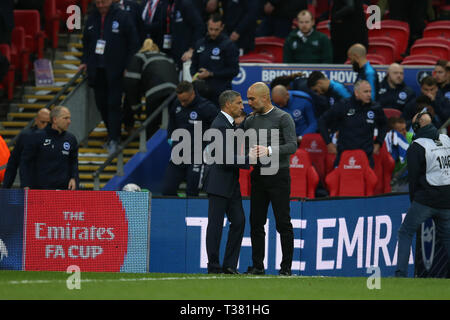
[(222, 179)]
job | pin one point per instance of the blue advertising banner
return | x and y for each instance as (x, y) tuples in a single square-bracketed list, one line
[(331, 237), (11, 229), (250, 73)]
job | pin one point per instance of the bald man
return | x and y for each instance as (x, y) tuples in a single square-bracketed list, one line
[(41, 120), (357, 54), (274, 188), (50, 160), (299, 105), (429, 187), (394, 93)]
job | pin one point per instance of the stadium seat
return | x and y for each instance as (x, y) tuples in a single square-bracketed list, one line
[(383, 49), (271, 45), (420, 59), (324, 27), (8, 81), (20, 56), (52, 17), (391, 112), (376, 58), (353, 177), (252, 57), (436, 49), (397, 30), (244, 181), (384, 165), (397, 55), (437, 31), (304, 178), (322, 161), (85, 5), (445, 23), (30, 20)]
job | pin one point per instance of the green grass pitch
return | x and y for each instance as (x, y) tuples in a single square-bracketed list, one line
[(53, 285)]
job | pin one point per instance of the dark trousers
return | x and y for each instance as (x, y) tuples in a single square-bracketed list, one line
[(108, 98), (217, 208), (175, 174), (274, 189)]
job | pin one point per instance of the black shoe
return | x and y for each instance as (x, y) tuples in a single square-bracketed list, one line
[(286, 273), (230, 271), (255, 271), (215, 271)]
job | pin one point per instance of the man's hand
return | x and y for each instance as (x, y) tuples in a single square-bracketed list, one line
[(72, 184), (376, 148), (187, 55), (234, 36), (203, 74), (83, 67), (261, 151), (331, 147)]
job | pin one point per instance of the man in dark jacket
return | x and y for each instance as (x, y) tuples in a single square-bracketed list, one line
[(428, 160), (187, 111), (134, 10), (50, 160), (394, 93), (224, 193), (41, 120), (355, 119), (6, 20), (110, 40), (215, 58)]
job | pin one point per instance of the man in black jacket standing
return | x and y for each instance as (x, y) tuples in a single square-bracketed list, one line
[(224, 193), (394, 93), (215, 59), (110, 40), (428, 160), (50, 160)]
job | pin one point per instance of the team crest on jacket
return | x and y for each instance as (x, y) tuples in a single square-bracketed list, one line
[(66, 146), (115, 26), (216, 51), (370, 114), (402, 95), (193, 115)]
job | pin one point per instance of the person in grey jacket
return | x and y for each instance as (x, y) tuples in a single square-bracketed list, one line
[(270, 179)]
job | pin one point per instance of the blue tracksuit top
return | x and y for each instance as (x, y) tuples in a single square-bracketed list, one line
[(301, 109)]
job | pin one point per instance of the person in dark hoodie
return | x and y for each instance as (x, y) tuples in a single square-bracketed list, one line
[(394, 93), (428, 160)]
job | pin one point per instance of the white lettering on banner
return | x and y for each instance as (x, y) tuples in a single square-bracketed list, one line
[(324, 243), (369, 241), (203, 224), (298, 243), (343, 240), (343, 76), (382, 243), (269, 75)]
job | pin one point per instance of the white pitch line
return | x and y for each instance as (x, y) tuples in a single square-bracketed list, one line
[(149, 279)]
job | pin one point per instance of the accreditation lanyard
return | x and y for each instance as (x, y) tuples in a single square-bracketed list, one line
[(151, 9)]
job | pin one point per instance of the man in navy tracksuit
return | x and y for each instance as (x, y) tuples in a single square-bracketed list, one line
[(40, 122), (357, 54), (429, 187), (355, 119), (215, 59), (394, 93), (110, 40), (187, 110), (50, 160)]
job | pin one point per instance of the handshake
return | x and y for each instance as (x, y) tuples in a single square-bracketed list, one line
[(258, 151)]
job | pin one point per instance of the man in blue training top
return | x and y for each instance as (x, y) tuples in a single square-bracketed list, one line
[(299, 105), (357, 54), (333, 90)]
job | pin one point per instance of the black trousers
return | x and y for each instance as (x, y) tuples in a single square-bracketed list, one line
[(274, 189), (108, 98), (175, 174), (217, 208)]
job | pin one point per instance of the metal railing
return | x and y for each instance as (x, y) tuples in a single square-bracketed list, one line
[(141, 131), (52, 102)]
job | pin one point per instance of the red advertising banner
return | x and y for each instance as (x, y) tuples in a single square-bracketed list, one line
[(63, 228)]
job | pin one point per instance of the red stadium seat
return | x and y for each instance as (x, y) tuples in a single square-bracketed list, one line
[(52, 17), (256, 58), (244, 181), (304, 178), (391, 112), (384, 165), (383, 49), (420, 59), (322, 161), (436, 49), (20, 56), (376, 59), (397, 30), (353, 177), (397, 55), (324, 27), (85, 5), (271, 45), (30, 20), (8, 81), (439, 23), (437, 31)]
